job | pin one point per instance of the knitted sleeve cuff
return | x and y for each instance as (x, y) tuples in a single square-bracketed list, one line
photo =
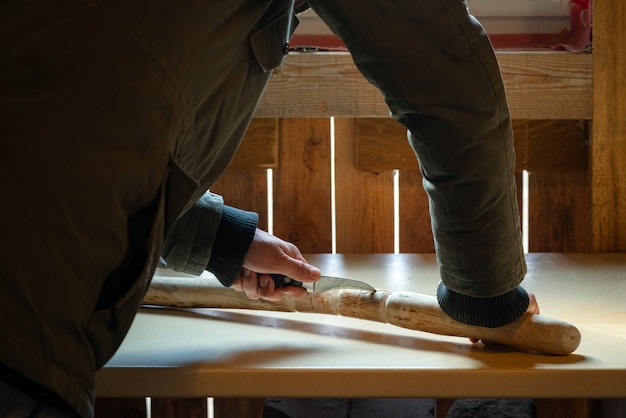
[(489, 312), (234, 236)]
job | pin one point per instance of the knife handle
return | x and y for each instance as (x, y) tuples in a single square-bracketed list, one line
[(280, 280)]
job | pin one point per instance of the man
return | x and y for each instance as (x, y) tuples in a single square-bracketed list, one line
[(118, 115)]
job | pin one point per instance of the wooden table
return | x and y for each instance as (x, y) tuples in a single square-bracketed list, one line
[(238, 353)]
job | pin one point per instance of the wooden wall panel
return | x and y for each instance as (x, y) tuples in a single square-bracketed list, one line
[(179, 407), (302, 193), (259, 146), (244, 184), (551, 145), (120, 408), (558, 213), (245, 189), (416, 234), (608, 146), (540, 145), (364, 201), (238, 408), (382, 144)]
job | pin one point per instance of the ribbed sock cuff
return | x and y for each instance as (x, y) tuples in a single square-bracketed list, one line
[(234, 236), (489, 312)]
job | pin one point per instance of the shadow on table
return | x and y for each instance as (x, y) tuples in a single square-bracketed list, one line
[(489, 355)]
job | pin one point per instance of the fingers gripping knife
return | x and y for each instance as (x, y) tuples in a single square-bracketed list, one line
[(356, 299)]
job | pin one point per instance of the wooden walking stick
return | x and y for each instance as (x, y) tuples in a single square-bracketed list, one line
[(405, 309)]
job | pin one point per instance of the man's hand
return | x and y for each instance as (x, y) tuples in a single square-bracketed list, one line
[(269, 254)]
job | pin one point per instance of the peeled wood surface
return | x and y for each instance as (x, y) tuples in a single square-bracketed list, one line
[(540, 85), (404, 309)]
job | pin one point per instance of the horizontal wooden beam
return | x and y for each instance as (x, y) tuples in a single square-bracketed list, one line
[(541, 145), (540, 85)]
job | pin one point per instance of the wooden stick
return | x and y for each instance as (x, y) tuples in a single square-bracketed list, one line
[(405, 309)]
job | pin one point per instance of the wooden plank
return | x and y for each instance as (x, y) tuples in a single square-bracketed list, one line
[(558, 212), (540, 85), (608, 147), (382, 144), (563, 408), (364, 201), (302, 192), (547, 84), (540, 145), (238, 407), (416, 235), (179, 407), (551, 145), (120, 408), (245, 189), (259, 147), (442, 406)]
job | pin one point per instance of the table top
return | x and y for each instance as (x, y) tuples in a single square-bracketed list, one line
[(245, 353)]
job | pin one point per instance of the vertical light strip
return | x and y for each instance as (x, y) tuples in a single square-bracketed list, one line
[(333, 208), (210, 408), (525, 210), (270, 200), (148, 407), (396, 211)]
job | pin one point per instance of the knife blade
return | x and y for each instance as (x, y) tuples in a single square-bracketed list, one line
[(324, 283)]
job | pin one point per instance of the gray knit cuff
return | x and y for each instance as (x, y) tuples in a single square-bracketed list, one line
[(489, 312), (232, 241)]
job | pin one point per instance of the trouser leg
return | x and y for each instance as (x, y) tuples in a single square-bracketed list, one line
[(439, 75)]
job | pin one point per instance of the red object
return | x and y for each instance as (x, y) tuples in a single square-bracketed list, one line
[(584, 4)]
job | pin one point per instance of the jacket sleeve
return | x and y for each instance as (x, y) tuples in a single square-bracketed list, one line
[(437, 71), (210, 236)]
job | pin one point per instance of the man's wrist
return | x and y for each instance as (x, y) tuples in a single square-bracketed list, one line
[(232, 241)]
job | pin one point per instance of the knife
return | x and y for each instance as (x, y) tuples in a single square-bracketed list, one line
[(323, 284)]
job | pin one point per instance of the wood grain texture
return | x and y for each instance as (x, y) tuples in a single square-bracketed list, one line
[(179, 407), (608, 146), (540, 85), (547, 84), (302, 192), (558, 212), (238, 407), (364, 201), (416, 234), (551, 145), (540, 145), (259, 146), (120, 408), (564, 408), (245, 189)]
